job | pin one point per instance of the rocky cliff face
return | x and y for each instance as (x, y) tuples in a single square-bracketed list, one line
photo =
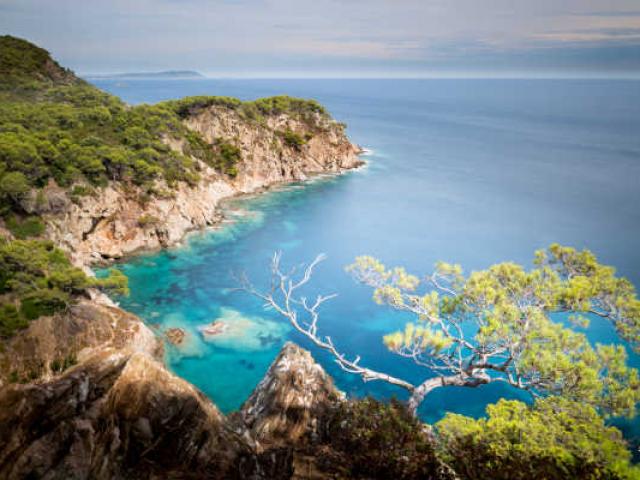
[(50, 345), (120, 414), (117, 221), (287, 404), (84, 393)]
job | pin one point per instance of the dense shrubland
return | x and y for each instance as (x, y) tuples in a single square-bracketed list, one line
[(256, 110), (553, 439), (38, 279)]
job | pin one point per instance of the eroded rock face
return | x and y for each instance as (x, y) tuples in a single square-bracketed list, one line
[(290, 401), (52, 344), (117, 416), (267, 159), (116, 221), (120, 414)]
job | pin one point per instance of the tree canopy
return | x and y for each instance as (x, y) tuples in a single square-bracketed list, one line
[(54, 125), (555, 439), (503, 324), (524, 328)]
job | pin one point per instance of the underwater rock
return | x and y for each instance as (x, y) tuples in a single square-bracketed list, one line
[(175, 336), (216, 327), (235, 331)]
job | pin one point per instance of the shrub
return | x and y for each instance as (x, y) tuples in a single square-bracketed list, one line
[(377, 440), (227, 157), (59, 365), (43, 302), (13, 185), (10, 320), (556, 439), (147, 220), (293, 139), (25, 227)]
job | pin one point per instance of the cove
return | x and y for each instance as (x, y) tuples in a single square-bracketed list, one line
[(467, 171)]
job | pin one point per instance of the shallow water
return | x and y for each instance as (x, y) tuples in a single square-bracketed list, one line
[(467, 171)]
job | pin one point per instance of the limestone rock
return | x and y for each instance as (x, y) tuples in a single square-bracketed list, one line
[(51, 344), (117, 417), (290, 401), (175, 336), (107, 224)]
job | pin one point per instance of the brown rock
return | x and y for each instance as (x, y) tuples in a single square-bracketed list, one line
[(175, 335), (117, 417), (290, 401)]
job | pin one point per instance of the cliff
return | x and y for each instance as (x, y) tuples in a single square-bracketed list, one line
[(120, 414), (111, 223)]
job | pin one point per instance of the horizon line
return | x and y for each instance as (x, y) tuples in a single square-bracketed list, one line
[(443, 76)]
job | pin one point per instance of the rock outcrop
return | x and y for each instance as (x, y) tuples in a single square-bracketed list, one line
[(116, 221), (50, 345), (117, 416), (290, 401), (120, 414)]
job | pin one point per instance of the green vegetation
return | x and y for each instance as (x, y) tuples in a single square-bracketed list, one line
[(37, 279), (505, 324), (56, 126), (226, 157), (26, 227), (501, 325), (370, 439), (223, 155), (555, 439), (59, 365), (147, 220), (256, 110), (20, 59), (294, 139)]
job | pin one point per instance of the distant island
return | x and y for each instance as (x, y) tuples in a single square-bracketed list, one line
[(170, 74)]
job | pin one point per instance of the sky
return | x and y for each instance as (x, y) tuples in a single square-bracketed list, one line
[(331, 38)]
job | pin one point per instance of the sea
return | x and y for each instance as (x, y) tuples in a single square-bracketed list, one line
[(468, 171)]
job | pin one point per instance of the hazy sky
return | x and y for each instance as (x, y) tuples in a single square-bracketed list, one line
[(335, 38)]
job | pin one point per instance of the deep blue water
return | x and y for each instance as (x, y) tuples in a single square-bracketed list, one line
[(468, 171)]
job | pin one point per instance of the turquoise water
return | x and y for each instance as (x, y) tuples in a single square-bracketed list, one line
[(467, 171)]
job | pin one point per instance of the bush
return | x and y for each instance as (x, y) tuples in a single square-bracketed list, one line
[(26, 227), (60, 365), (556, 439), (10, 320), (292, 139), (42, 303), (227, 157), (376, 440), (147, 220), (13, 185)]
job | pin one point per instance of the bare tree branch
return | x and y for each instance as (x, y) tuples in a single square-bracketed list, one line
[(304, 319)]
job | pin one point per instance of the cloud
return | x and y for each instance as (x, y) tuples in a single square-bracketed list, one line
[(317, 35)]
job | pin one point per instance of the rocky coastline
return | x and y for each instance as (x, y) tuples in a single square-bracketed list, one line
[(84, 393), (116, 221)]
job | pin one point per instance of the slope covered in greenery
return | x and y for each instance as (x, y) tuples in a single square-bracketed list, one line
[(56, 126), (37, 279)]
